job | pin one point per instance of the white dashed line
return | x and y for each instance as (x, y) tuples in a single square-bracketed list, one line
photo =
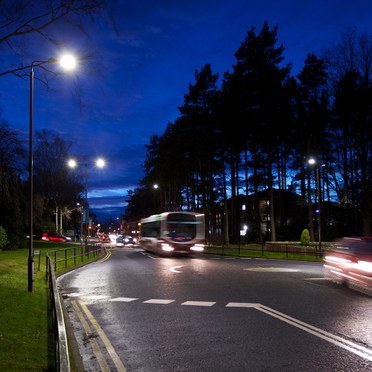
[(158, 301), (198, 303), (243, 304), (124, 299), (272, 270)]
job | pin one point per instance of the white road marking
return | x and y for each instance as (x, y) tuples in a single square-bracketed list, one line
[(333, 339), (158, 301), (123, 299), (243, 304), (174, 269), (198, 303), (91, 299), (352, 347), (272, 269)]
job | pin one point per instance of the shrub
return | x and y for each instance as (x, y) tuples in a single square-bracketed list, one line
[(305, 237), (3, 238)]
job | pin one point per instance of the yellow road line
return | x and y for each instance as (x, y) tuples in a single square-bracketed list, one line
[(93, 342), (106, 257), (110, 349)]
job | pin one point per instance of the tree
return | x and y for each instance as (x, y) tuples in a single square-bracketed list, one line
[(12, 202), (350, 65), (265, 103), (24, 24), (53, 180), (312, 117)]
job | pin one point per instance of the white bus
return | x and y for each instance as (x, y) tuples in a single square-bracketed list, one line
[(177, 232)]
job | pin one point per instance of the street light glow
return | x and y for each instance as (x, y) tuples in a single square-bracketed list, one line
[(100, 163), (312, 161), (72, 163), (68, 62)]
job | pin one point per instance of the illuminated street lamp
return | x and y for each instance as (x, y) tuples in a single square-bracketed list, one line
[(67, 63), (312, 162), (72, 163)]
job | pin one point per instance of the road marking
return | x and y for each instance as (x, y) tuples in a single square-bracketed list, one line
[(91, 299), (174, 269), (350, 346), (106, 257), (123, 299), (242, 304), (272, 269), (198, 303), (150, 255), (333, 339), (115, 357), (158, 301), (93, 342)]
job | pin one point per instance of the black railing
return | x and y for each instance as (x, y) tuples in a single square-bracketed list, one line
[(60, 336), (70, 258)]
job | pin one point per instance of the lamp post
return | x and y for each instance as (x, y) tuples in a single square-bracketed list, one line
[(68, 63), (312, 161), (72, 163)]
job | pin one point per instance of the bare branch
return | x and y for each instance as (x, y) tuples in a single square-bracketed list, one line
[(19, 20)]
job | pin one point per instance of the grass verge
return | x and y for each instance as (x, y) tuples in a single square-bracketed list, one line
[(256, 251), (26, 339)]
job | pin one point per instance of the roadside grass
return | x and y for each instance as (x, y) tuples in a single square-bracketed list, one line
[(256, 251), (26, 338)]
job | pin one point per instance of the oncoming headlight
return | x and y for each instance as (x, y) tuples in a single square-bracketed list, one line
[(197, 248), (166, 247)]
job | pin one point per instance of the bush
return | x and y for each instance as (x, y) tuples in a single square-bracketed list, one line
[(3, 238), (305, 237)]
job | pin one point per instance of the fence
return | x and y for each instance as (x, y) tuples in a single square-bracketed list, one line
[(268, 249), (69, 258), (287, 248)]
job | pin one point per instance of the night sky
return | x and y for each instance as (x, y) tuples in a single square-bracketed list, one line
[(143, 64)]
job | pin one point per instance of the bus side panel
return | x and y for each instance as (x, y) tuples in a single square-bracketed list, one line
[(148, 244)]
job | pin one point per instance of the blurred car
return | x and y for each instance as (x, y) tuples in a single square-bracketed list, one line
[(54, 237), (122, 240), (350, 263), (104, 238), (113, 237)]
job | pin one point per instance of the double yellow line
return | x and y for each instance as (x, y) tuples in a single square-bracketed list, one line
[(106, 256), (86, 317)]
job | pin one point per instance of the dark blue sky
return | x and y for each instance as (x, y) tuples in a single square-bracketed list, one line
[(143, 66)]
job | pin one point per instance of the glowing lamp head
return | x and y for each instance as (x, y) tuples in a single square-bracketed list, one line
[(72, 163), (312, 161), (100, 163), (68, 62)]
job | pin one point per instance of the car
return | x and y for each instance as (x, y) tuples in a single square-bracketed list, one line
[(122, 240), (54, 237), (104, 238), (349, 263)]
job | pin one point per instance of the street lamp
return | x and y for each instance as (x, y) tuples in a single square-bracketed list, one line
[(66, 63), (312, 162), (72, 163)]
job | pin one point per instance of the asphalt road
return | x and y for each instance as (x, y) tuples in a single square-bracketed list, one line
[(139, 312)]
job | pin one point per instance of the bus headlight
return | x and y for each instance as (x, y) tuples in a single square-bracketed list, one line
[(197, 248), (166, 247)]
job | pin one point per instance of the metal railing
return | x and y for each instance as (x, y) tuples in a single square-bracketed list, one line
[(69, 257), (285, 249), (59, 328), (73, 256)]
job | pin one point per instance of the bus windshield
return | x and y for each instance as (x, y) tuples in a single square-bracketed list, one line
[(180, 227)]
